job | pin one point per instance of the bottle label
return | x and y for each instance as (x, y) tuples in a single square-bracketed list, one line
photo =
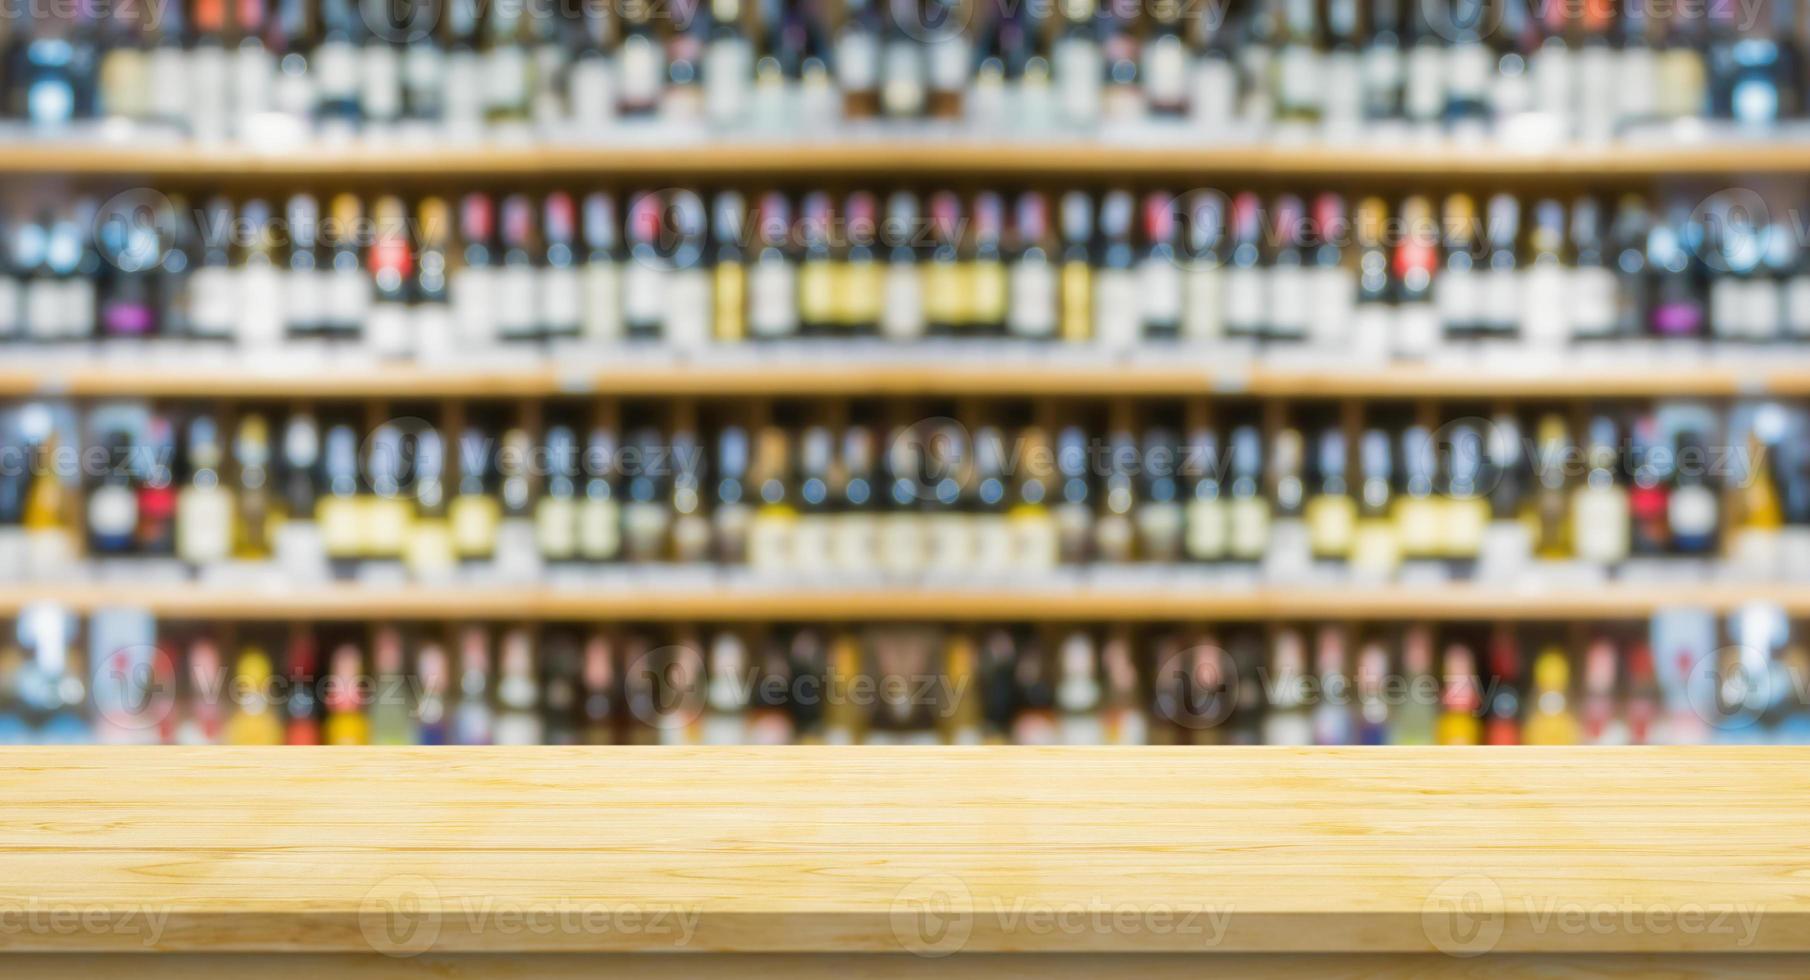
[(1331, 520), (1290, 303), (1727, 307), (1203, 311), (817, 291), (770, 540), (474, 521), (260, 321), (348, 299), (213, 301), (1160, 281), (335, 68), (944, 294), (1245, 299), (1160, 528), (1693, 510), (388, 330), (688, 309), (1032, 310), (1035, 544), (729, 301), (903, 91), (302, 304), (811, 543), (1116, 308), (1765, 305), (987, 293), (857, 61), (1420, 525), (903, 315), (644, 525), (950, 63), (342, 526), (1249, 521), (1599, 524), (1424, 95), (78, 308), (728, 74), (1113, 538), (1593, 301), (591, 93), (1301, 80), (854, 542), (1545, 311), (515, 301), (506, 78), (602, 301), (1375, 548), (1079, 71), (555, 527), (561, 300), (204, 525), (380, 94), (1466, 520), (473, 294), (773, 299), (860, 294), (112, 512), (1797, 306), (10, 303), (1334, 293), (1502, 299), (642, 72), (1459, 300), (948, 543), (599, 529), (1165, 72), (1215, 92), (901, 544), (1077, 302), (1207, 536), (386, 522), (430, 555), (254, 76), (1469, 67), (1416, 329)]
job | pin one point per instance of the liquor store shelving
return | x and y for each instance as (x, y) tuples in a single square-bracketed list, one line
[(715, 603), (1005, 376), (931, 156)]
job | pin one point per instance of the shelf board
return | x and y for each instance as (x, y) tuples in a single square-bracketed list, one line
[(924, 851), (709, 603), (853, 157), (1185, 375)]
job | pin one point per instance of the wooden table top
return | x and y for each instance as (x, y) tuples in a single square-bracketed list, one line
[(919, 850)]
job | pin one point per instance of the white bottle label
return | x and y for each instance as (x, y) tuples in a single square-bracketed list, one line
[(1764, 307), (1290, 302), (1207, 536), (1424, 95), (209, 75), (348, 297), (1593, 301), (854, 542), (561, 300), (1248, 521), (1469, 67), (169, 82), (1727, 307), (515, 289), (1797, 306), (599, 529), (1116, 307), (857, 61), (78, 305), (473, 295), (112, 511), (11, 303), (555, 527), (1165, 71), (1215, 92), (1416, 329), (950, 61), (901, 544), (728, 74), (213, 301), (303, 305), (1203, 307), (602, 301), (254, 78), (1692, 510), (903, 316), (640, 71), (643, 294), (770, 542), (1456, 294), (387, 330), (380, 89), (1599, 524), (1545, 310), (1036, 546), (591, 93), (1032, 310), (688, 309), (1502, 298), (1334, 294), (1344, 93), (203, 524), (1301, 79), (773, 298), (506, 77), (260, 320), (1160, 282), (1245, 299), (1079, 71)]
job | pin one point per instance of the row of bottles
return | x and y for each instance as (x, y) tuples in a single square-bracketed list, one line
[(904, 491), (1227, 684), (1409, 279), (263, 70)]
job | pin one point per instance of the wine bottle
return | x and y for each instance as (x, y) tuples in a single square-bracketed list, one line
[(304, 285), (945, 289), (731, 512), (204, 507), (518, 718), (1546, 313), (429, 553), (1501, 313), (860, 286), (1460, 700), (1693, 509), (1077, 288), (1457, 291), (251, 529), (1331, 513), (1416, 262), (1208, 532), (392, 713), (1248, 511), (599, 519), (517, 282), (345, 698), (432, 722), (339, 510), (1600, 525), (254, 720), (1376, 546), (773, 275), (903, 316), (1078, 64), (475, 512), (561, 291), (1552, 497), (473, 719), (1117, 304), (348, 296), (1334, 721), (1549, 720), (1290, 287), (556, 512), (1246, 281), (1203, 283), (647, 512), (602, 278), (1075, 513), (1289, 720)]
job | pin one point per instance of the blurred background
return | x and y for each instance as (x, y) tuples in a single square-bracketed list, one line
[(904, 371)]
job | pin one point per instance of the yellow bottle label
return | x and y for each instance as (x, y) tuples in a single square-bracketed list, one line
[(474, 522), (387, 521), (731, 302), (1077, 302), (1466, 520), (430, 549), (346, 728), (1458, 728), (1419, 521), (1250, 527), (817, 291), (1375, 548), (944, 295), (342, 526), (254, 728), (556, 527), (862, 293), (1331, 522), (770, 539), (987, 290)]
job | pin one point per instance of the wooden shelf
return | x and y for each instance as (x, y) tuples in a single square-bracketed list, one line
[(707, 603), (817, 376), (928, 852), (919, 158)]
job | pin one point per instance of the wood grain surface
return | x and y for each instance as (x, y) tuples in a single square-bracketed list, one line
[(894, 850)]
